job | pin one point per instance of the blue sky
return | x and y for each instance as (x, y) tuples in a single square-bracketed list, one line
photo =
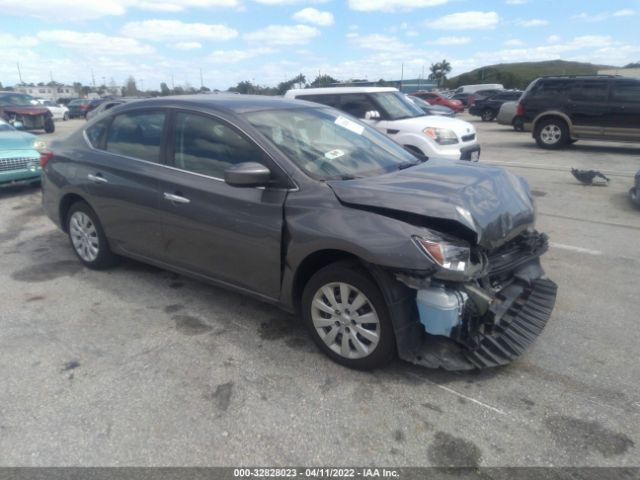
[(268, 41)]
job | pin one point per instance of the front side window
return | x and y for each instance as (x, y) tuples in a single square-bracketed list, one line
[(327, 145), (626, 91), (396, 106), (137, 135), (208, 146), (356, 104), (96, 132), (589, 91)]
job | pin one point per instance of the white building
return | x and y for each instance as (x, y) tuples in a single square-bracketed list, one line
[(47, 92)]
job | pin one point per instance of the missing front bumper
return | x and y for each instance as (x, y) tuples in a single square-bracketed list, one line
[(527, 308)]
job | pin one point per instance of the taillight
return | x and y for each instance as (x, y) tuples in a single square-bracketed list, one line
[(45, 156), (520, 110)]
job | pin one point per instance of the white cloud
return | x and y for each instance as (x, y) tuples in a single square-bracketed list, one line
[(451, 41), (167, 30), (11, 41), (553, 39), (392, 5), (602, 16), (235, 56), (534, 22), (514, 43), (314, 16), (188, 45), (516, 2), (283, 35), (375, 41), (95, 43), (466, 21), (79, 10)]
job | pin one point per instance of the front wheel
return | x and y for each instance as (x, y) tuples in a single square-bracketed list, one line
[(49, 126), (487, 115), (348, 317), (87, 237), (552, 133), (65, 117)]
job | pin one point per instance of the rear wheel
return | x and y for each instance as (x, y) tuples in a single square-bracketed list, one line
[(487, 115), (87, 237), (552, 133), (348, 318)]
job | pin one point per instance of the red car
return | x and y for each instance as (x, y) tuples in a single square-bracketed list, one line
[(437, 99)]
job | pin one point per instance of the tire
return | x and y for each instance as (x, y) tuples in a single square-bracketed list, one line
[(518, 124), (87, 238), (65, 117), (552, 133), (367, 329), (487, 115), (49, 126)]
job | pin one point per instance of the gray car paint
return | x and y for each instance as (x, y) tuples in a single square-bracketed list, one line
[(266, 234)]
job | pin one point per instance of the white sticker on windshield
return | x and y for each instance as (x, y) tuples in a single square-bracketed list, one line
[(349, 125), (333, 154)]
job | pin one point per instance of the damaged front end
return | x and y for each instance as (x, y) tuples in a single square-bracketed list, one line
[(477, 308)]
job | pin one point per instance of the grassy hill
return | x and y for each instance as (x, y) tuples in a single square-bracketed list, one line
[(519, 75)]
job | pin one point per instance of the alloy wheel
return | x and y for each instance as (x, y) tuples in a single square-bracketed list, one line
[(84, 236), (551, 134), (345, 320)]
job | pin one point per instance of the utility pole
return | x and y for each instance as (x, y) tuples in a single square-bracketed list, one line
[(142, 84), (201, 81), (401, 75), (19, 73), (93, 79)]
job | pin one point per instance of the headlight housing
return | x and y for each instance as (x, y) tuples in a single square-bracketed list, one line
[(39, 145), (442, 136), (449, 254)]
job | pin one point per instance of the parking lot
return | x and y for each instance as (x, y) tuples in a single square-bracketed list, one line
[(139, 366)]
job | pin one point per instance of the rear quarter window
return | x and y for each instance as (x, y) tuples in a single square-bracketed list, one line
[(589, 91), (626, 91), (96, 133)]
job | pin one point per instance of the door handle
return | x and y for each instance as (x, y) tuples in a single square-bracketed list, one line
[(175, 198), (97, 178)]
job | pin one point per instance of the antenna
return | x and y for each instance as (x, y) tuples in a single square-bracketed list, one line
[(201, 82)]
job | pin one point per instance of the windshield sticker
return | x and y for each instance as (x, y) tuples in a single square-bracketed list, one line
[(349, 125), (333, 154)]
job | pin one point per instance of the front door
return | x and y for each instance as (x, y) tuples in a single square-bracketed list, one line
[(624, 117), (588, 106), (227, 233)]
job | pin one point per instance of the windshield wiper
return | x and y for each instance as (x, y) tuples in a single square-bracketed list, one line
[(402, 166)]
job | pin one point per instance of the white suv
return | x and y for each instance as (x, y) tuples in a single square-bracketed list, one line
[(388, 111)]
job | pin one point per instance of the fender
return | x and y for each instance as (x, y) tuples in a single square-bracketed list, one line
[(553, 113)]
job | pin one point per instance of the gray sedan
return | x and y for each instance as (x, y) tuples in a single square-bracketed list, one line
[(508, 116), (379, 252)]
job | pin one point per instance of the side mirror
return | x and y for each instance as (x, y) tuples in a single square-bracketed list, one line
[(247, 174), (372, 115)]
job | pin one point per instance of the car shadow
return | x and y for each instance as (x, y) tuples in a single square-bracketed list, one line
[(18, 189)]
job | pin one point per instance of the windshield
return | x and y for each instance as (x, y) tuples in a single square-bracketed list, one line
[(16, 100), (5, 127), (327, 145), (396, 106)]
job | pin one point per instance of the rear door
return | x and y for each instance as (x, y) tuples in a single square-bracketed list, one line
[(121, 176), (226, 233), (588, 106), (624, 117)]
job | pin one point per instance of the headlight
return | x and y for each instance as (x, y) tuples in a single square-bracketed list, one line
[(442, 136), (453, 255), (39, 145)]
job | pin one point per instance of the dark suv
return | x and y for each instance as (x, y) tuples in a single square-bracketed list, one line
[(487, 108), (563, 109)]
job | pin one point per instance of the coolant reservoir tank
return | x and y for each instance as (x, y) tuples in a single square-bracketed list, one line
[(440, 309)]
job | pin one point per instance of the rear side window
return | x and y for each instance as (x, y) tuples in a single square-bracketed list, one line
[(549, 87), (356, 104), (137, 135), (589, 91), (208, 146), (96, 133), (626, 91), (329, 100)]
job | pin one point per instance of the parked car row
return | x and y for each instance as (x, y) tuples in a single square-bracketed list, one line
[(20, 155)]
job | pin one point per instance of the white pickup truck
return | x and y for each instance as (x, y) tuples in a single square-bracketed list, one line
[(388, 111)]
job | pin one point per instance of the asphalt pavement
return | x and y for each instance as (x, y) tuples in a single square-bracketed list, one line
[(139, 366)]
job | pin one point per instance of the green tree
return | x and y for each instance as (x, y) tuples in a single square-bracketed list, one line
[(323, 81), (130, 87), (164, 90), (298, 81), (439, 72)]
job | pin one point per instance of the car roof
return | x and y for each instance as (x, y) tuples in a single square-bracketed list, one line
[(337, 90), (230, 102)]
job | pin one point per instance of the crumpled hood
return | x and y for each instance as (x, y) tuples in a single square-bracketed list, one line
[(16, 140), (499, 204)]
